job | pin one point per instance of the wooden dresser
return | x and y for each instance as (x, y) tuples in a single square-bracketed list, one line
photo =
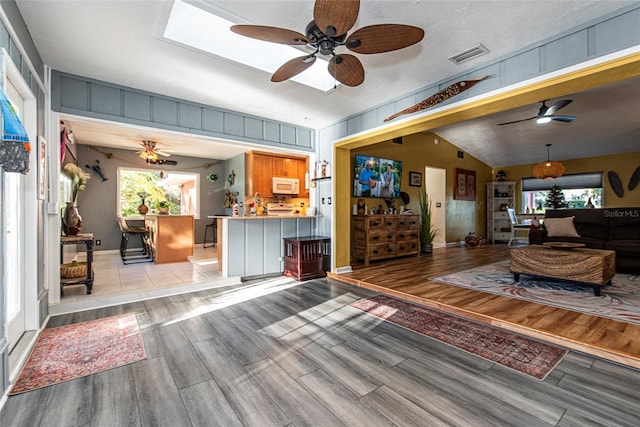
[(375, 237)]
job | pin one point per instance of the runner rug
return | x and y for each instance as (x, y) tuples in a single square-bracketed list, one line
[(73, 351), (513, 351), (619, 301)]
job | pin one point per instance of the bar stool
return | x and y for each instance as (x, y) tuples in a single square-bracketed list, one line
[(214, 238), (137, 255)]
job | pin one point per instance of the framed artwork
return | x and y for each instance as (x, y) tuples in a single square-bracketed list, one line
[(42, 167), (465, 185), (415, 179)]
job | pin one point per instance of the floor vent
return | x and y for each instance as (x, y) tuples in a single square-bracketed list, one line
[(469, 54)]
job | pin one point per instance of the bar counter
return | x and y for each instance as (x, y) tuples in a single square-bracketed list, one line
[(253, 245)]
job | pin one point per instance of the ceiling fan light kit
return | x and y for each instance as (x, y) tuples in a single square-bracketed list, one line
[(546, 114), (549, 169), (327, 32)]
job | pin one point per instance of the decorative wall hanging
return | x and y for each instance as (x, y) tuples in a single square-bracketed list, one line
[(465, 185), (415, 179), (14, 147), (635, 179), (96, 168), (441, 96), (42, 168), (213, 177), (616, 184)]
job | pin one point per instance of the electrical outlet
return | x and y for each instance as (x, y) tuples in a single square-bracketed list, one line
[(98, 242)]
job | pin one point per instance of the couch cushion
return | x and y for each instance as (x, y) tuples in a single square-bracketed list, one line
[(588, 222), (560, 227), (624, 247), (624, 224)]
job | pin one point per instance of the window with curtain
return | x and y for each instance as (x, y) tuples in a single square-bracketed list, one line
[(578, 189)]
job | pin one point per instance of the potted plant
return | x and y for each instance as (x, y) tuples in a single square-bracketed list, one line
[(427, 232), (163, 207), (71, 219)]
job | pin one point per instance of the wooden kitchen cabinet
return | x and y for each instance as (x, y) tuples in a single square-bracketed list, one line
[(261, 167), (303, 167), (259, 173), (285, 167)]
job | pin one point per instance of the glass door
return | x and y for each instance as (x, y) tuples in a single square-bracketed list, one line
[(12, 212)]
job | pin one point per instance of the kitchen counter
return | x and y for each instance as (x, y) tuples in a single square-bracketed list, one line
[(282, 216), (253, 245)]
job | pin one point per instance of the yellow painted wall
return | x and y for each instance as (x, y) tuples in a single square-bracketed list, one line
[(418, 151), (623, 164), (457, 221)]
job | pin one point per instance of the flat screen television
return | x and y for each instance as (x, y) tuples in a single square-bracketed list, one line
[(376, 177)]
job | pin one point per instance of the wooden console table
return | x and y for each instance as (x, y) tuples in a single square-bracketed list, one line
[(79, 239), (307, 257)]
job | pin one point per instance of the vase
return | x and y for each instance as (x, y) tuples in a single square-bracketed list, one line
[(71, 220), (426, 248), (143, 209), (163, 211)]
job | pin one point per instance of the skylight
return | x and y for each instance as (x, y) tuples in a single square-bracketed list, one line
[(203, 30)]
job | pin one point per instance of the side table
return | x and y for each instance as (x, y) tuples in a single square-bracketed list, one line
[(79, 239)]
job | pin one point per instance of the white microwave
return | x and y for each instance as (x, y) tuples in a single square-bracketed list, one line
[(281, 185)]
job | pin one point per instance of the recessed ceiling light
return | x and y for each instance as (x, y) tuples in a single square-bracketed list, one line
[(206, 31)]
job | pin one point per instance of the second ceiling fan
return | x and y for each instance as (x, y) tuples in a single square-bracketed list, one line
[(546, 114), (328, 31)]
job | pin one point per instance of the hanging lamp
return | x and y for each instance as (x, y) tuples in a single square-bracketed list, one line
[(548, 169)]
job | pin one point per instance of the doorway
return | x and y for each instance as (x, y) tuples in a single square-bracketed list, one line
[(19, 214), (436, 186)]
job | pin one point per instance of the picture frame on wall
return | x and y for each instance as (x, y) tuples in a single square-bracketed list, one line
[(465, 185), (42, 167), (415, 179)]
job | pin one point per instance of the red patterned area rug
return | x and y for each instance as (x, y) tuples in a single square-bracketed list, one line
[(73, 351), (513, 351)]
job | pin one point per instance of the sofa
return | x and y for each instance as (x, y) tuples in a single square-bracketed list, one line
[(616, 229)]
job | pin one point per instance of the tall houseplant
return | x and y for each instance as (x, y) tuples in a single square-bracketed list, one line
[(427, 232)]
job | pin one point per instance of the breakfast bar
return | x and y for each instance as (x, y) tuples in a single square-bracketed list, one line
[(253, 245)]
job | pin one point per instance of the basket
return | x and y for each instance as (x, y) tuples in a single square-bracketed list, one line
[(73, 270)]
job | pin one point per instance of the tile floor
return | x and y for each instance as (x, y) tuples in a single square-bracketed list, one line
[(116, 283)]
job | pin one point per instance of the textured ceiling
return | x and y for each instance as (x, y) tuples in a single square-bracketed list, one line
[(121, 42)]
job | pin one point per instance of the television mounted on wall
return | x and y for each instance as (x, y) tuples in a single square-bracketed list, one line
[(376, 177)]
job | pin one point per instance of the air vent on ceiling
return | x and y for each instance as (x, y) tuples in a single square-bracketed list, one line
[(469, 54)]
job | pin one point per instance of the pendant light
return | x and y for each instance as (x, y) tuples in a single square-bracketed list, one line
[(548, 169)]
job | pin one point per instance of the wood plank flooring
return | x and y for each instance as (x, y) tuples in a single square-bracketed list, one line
[(408, 278), (300, 356)]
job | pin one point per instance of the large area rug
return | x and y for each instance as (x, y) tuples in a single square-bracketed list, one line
[(73, 351), (619, 301), (513, 351)]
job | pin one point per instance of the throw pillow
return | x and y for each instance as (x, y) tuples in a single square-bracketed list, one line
[(561, 227)]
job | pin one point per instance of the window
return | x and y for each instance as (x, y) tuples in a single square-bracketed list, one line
[(178, 189), (577, 189)]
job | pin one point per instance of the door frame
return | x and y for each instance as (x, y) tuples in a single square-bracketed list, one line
[(29, 228)]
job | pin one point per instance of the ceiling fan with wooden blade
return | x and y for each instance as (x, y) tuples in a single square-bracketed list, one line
[(546, 114), (328, 31), (150, 153)]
